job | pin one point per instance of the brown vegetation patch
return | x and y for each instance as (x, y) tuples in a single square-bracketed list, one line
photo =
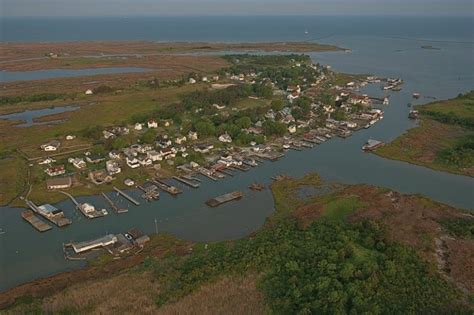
[(460, 262), (158, 247), (14, 51), (229, 295)]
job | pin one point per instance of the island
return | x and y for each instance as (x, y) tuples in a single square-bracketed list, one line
[(444, 139)]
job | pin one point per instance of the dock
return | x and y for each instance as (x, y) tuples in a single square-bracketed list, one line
[(32, 219), (50, 213), (187, 181), (113, 205), (88, 210), (217, 201), (207, 173), (126, 196), (150, 192), (225, 172), (172, 190), (240, 168)]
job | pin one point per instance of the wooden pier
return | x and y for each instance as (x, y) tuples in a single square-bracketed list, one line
[(126, 196), (113, 205), (207, 173), (172, 190), (32, 219), (150, 192), (187, 181), (225, 172)]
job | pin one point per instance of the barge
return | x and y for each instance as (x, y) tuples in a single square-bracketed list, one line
[(372, 145), (32, 219), (217, 201)]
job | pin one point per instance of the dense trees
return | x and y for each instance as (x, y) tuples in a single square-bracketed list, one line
[(271, 128), (329, 267), (30, 98)]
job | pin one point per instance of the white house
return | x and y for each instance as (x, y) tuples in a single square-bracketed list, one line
[(132, 162), (112, 167), (108, 135), (225, 138), (192, 80), (47, 160), (89, 92), (51, 146), (78, 163), (180, 140), (152, 123), (70, 137), (138, 126), (292, 129), (192, 135), (154, 156)]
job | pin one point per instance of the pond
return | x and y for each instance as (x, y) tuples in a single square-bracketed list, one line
[(28, 116)]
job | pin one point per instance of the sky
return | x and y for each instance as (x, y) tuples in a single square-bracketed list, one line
[(11, 8)]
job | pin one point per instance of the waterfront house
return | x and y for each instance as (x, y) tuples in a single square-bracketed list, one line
[(56, 170), (129, 182), (59, 183), (52, 145)]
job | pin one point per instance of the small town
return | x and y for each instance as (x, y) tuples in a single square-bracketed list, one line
[(300, 107)]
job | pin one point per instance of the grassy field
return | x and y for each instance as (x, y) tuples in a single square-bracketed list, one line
[(442, 141)]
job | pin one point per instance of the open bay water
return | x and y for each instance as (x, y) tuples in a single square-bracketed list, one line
[(388, 47)]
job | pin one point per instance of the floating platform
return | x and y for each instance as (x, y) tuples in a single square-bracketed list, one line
[(32, 219), (217, 201)]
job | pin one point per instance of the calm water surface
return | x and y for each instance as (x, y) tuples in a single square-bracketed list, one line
[(27, 254), (28, 116)]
